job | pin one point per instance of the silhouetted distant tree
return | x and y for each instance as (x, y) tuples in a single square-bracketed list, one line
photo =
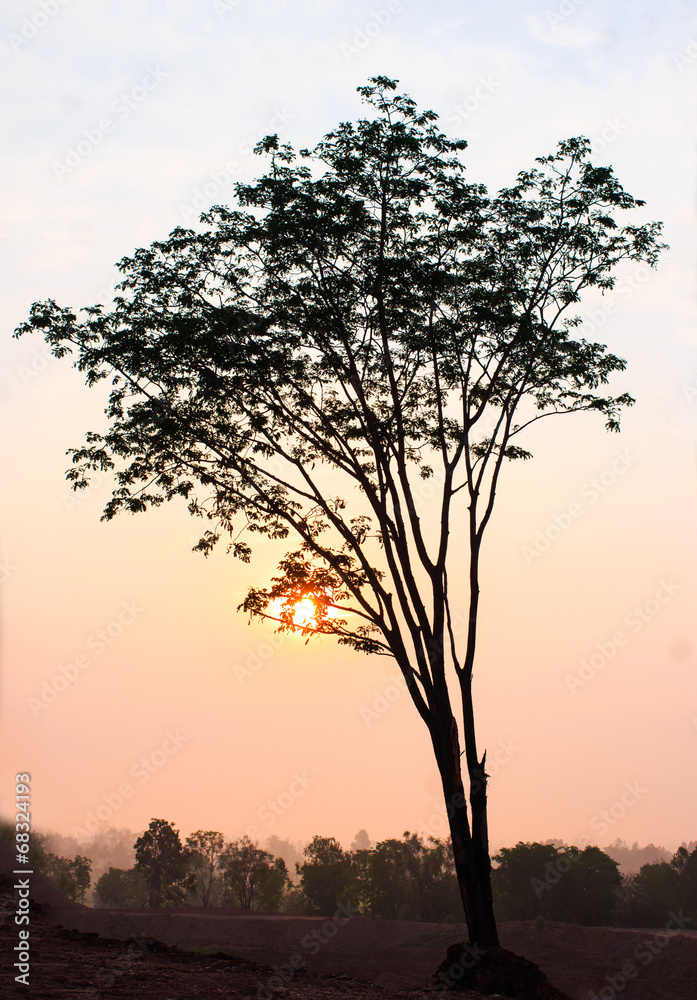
[(164, 863), (291, 852), (588, 892), (325, 874), (206, 847), (121, 889), (688, 879), (662, 889), (364, 309), (630, 859), (71, 877), (359, 890), (361, 842), (522, 880), (273, 882), (245, 868), (412, 879), (558, 883)]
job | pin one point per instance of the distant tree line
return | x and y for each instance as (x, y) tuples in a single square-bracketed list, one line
[(408, 879), (204, 869), (71, 876), (412, 878), (534, 881)]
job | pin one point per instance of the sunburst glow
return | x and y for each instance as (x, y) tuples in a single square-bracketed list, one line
[(304, 612)]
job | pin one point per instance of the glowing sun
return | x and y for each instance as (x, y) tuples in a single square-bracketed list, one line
[(304, 612)]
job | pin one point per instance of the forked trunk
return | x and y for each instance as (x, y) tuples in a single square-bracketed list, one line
[(470, 845)]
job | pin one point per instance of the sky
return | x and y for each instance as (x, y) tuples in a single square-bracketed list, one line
[(130, 686)]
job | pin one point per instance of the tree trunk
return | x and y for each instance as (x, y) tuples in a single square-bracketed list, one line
[(472, 865)]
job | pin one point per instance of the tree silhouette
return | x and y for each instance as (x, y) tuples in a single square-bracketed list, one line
[(206, 847), (324, 874), (164, 863), (122, 889), (361, 842), (368, 311), (247, 870)]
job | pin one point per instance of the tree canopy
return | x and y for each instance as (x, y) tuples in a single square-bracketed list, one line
[(164, 864), (386, 319)]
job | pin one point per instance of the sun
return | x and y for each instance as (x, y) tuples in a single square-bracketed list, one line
[(304, 613)]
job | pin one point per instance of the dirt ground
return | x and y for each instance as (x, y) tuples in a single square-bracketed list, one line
[(77, 952)]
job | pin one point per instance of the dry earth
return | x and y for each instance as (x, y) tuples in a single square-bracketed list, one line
[(77, 952)]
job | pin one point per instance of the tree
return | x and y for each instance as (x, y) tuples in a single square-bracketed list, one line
[(325, 874), (286, 849), (364, 309), (164, 863), (361, 842), (558, 883), (630, 859), (655, 891), (589, 892), (688, 876), (410, 879), (72, 878), (206, 848), (524, 879), (272, 885), (245, 868), (110, 847), (81, 869), (122, 889)]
